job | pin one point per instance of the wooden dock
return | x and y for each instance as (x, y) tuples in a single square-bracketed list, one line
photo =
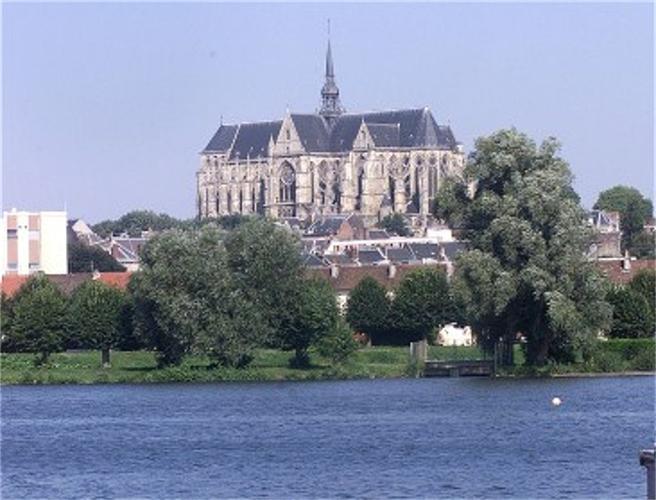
[(460, 368)]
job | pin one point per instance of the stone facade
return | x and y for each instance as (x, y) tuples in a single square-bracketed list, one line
[(306, 165)]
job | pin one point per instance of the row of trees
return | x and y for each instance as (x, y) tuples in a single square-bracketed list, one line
[(421, 303), (41, 319), (199, 291)]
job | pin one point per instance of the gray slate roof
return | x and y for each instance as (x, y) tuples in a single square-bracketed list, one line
[(453, 248), (403, 254), (408, 128)]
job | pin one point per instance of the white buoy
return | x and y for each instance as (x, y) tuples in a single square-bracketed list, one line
[(556, 401)]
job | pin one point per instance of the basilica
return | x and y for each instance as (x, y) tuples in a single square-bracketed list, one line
[(307, 165)]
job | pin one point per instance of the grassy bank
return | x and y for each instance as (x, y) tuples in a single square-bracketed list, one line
[(268, 365)]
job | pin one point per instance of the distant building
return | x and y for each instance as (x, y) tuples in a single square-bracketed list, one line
[(328, 162), (608, 236), (33, 242)]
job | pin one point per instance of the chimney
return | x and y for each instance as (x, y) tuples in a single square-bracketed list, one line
[(391, 271)]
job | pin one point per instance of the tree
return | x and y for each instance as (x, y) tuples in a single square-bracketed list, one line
[(632, 315), (634, 209), (643, 245), (526, 272), (186, 300), (95, 316), (265, 262), (135, 222), (338, 344), (644, 283), (395, 224), (368, 309), (421, 304), (38, 318), (315, 316), (84, 258), (7, 341)]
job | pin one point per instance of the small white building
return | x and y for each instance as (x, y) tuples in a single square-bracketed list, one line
[(32, 242), (452, 334)]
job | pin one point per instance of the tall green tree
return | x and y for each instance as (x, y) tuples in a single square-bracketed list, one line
[(526, 272), (421, 304), (368, 310), (95, 317), (632, 315), (265, 262), (634, 210), (38, 320), (644, 283), (315, 316), (185, 300)]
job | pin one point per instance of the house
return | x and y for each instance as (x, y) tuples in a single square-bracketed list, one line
[(66, 283)]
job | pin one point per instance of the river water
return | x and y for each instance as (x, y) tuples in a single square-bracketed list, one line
[(444, 438)]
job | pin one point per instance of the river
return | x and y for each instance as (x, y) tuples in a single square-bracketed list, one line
[(370, 438)]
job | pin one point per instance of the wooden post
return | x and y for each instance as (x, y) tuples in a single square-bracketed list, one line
[(647, 461), (105, 357)]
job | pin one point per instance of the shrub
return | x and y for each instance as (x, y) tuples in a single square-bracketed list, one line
[(339, 344), (628, 348), (632, 315), (39, 318), (608, 361), (368, 310), (644, 361)]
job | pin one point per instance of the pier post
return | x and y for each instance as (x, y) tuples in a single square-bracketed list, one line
[(647, 461)]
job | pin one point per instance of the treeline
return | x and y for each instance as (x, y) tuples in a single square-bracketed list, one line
[(223, 294), (136, 221)]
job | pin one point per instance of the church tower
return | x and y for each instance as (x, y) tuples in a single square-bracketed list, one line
[(331, 108)]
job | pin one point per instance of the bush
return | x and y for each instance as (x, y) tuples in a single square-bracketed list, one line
[(632, 314), (644, 361), (368, 310), (608, 361), (339, 344), (629, 348), (38, 320)]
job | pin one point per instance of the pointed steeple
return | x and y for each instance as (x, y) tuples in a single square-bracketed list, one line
[(330, 105)]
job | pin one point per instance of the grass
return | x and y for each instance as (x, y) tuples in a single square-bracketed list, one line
[(83, 367)]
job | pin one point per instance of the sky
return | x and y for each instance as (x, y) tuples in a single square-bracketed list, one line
[(107, 106)]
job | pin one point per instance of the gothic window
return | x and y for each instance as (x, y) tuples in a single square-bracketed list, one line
[(312, 185), (337, 196), (241, 201), (218, 205), (207, 202), (432, 182), (392, 192), (253, 200), (360, 186), (262, 197), (288, 135), (229, 202), (322, 192), (287, 184)]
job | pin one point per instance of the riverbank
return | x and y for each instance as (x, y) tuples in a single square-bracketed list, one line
[(136, 367), (139, 367)]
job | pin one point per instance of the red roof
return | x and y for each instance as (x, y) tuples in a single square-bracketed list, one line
[(614, 269), (67, 283)]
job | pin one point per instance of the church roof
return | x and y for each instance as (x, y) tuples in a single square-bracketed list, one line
[(408, 128), (223, 138), (385, 135), (253, 139)]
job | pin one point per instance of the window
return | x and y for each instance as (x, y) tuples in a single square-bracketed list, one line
[(12, 265), (34, 234), (34, 266), (288, 135), (12, 234)]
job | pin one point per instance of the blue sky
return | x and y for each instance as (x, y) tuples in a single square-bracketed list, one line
[(106, 106)]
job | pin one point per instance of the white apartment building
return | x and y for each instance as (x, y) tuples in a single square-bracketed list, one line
[(32, 242)]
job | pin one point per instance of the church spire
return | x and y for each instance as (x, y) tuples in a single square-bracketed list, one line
[(330, 105)]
